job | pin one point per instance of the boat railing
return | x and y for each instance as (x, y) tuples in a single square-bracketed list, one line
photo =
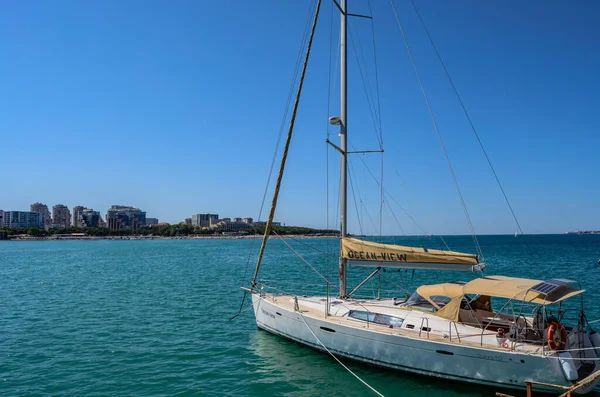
[(450, 323), (427, 328), (308, 289)]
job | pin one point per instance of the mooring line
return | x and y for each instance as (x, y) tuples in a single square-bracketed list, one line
[(336, 359)]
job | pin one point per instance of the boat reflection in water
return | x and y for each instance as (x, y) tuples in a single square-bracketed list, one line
[(286, 368)]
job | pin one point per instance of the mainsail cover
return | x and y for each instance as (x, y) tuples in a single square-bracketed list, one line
[(367, 253)]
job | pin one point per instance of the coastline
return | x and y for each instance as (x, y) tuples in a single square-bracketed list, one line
[(141, 237)]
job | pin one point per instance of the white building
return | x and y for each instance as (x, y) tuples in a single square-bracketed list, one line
[(22, 219), (204, 220)]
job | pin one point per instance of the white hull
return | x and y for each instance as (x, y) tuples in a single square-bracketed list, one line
[(445, 360)]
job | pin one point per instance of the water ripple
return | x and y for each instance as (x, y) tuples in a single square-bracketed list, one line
[(150, 318)]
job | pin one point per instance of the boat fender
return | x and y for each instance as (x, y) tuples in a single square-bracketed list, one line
[(500, 337), (557, 336), (595, 339), (568, 366)]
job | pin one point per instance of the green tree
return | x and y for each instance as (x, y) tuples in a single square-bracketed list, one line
[(35, 231)]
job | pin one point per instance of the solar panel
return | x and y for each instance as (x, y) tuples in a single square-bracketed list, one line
[(548, 286)]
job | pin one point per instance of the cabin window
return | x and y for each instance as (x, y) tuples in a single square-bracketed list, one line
[(388, 320), (361, 315), (441, 301), (377, 318), (416, 301)]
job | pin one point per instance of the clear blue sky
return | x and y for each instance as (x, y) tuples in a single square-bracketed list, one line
[(175, 107)]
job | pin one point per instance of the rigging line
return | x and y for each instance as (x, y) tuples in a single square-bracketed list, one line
[(365, 84), (360, 57), (395, 201), (329, 71), (328, 126), (378, 113), (333, 82), (337, 359), (287, 106), (376, 72), (458, 190), (280, 134), (286, 147), (327, 188), (336, 222), (406, 212), (313, 247), (400, 226), (337, 209), (361, 201), (397, 285), (467, 115), (381, 200), (304, 260), (414, 221), (242, 311), (355, 203), (396, 218), (335, 76), (294, 77), (371, 219), (363, 206)]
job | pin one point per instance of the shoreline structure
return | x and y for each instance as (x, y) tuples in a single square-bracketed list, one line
[(84, 236), (142, 237)]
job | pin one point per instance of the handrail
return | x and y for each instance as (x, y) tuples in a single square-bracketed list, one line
[(457, 333), (421, 328)]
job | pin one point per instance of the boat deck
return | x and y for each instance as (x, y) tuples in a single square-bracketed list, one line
[(307, 307)]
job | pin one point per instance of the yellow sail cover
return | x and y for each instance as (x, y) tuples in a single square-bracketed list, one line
[(366, 251)]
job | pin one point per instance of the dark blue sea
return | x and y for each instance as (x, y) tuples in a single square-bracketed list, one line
[(151, 318)]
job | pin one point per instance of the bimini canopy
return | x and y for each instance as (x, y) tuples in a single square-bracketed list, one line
[(451, 291), (502, 287), (522, 289), (367, 253)]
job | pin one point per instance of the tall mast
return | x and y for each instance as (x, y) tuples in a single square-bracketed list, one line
[(343, 143)]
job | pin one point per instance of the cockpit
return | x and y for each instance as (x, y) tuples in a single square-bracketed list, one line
[(521, 308)]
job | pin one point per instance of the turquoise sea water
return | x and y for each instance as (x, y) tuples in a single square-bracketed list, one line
[(151, 318)]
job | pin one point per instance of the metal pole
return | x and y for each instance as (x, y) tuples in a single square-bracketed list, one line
[(268, 227), (327, 302), (343, 144)]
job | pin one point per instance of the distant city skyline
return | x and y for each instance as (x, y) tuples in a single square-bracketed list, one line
[(176, 108), (117, 217)]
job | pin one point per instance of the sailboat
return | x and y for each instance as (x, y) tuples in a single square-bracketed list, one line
[(455, 330)]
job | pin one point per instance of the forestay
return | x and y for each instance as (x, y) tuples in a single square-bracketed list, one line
[(367, 253)]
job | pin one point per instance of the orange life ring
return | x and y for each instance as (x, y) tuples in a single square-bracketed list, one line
[(557, 336)]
